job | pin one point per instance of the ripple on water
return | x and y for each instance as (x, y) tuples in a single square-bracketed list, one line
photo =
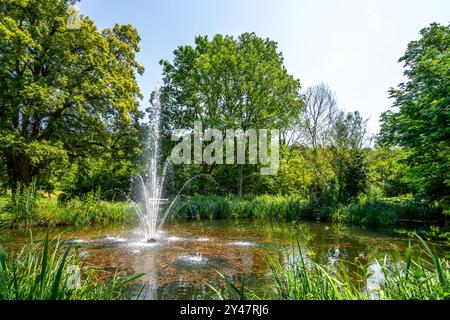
[(199, 261), (78, 241), (175, 239), (142, 245), (242, 244), (115, 239)]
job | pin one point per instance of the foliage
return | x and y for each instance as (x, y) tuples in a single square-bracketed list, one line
[(349, 160), (261, 207), (110, 179), (422, 120), (382, 213), (23, 203), (81, 211), (387, 175), (228, 83), (67, 93), (43, 272)]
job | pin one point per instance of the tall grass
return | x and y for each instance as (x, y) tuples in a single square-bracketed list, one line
[(89, 210), (368, 212), (381, 212), (25, 210), (43, 272), (301, 279), (422, 279), (217, 207), (23, 202), (423, 276)]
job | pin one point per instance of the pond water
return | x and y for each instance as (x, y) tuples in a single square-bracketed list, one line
[(189, 255)]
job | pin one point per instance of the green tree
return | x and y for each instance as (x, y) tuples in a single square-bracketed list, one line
[(387, 172), (68, 90), (229, 83), (349, 160), (312, 129), (3, 176), (421, 121)]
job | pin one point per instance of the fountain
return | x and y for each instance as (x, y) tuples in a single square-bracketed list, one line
[(149, 210), (151, 202)]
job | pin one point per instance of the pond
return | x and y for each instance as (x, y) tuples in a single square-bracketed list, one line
[(188, 256)]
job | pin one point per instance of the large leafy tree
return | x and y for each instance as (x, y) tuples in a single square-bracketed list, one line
[(349, 158), (421, 122), (68, 90), (229, 83)]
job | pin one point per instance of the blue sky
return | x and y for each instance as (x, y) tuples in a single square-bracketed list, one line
[(353, 45)]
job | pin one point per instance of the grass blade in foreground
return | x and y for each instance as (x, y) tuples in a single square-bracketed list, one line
[(45, 269)]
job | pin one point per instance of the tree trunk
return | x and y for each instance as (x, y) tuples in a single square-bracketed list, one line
[(240, 177), (19, 171)]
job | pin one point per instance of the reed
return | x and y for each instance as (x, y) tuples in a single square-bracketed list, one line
[(382, 212), (260, 207), (44, 271), (422, 276)]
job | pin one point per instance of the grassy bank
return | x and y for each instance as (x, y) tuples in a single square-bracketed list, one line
[(423, 276), (369, 212), (383, 213), (26, 211), (217, 207), (45, 271)]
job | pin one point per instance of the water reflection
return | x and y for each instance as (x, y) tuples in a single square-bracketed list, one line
[(188, 255)]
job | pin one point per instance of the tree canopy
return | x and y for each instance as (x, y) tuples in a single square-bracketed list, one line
[(421, 121), (229, 83), (68, 90)]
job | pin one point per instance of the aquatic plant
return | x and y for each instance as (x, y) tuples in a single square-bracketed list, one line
[(423, 276), (381, 212), (289, 208), (23, 203), (248, 207), (45, 271)]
